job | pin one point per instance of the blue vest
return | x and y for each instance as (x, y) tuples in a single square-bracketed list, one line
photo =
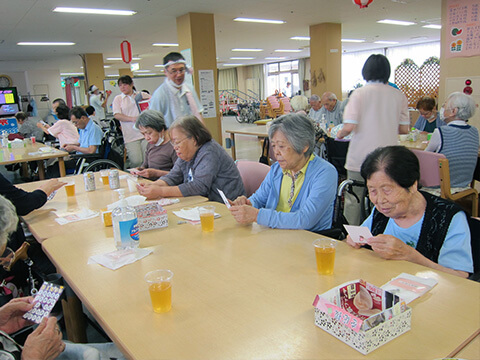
[(460, 147)]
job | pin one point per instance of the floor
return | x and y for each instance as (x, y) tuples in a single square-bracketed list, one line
[(247, 147)]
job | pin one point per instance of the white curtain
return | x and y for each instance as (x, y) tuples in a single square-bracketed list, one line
[(227, 79), (418, 53), (352, 64), (258, 72)]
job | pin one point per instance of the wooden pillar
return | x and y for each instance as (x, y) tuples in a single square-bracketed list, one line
[(94, 71), (196, 32), (125, 71), (326, 58)]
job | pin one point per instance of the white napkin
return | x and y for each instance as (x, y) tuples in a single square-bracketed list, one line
[(116, 259), (409, 287), (191, 214), (83, 214), (131, 201), (46, 149)]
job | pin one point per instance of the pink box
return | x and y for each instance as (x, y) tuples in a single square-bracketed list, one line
[(151, 216)]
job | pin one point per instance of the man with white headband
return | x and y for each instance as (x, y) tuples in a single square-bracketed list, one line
[(98, 101), (175, 98)]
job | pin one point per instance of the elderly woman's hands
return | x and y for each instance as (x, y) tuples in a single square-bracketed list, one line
[(353, 243), (241, 200), (51, 185), (244, 214), (150, 191), (391, 248), (11, 314), (45, 342)]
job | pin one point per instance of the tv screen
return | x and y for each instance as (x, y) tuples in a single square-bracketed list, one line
[(9, 104)]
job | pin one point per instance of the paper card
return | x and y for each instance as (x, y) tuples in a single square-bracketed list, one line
[(224, 198), (359, 234), (44, 302)]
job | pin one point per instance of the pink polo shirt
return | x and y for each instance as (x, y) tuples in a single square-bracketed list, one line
[(126, 105), (65, 132)]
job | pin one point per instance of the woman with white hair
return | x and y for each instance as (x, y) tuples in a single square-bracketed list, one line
[(299, 104), (457, 140)]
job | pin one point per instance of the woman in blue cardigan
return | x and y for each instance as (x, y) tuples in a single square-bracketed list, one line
[(299, 191)]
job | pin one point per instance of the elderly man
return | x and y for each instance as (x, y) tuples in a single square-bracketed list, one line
[(175, 98), (332, 108), (315, 107), (90, 133)]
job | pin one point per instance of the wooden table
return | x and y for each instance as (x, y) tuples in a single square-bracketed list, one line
[(420, 144), (246, 292), (260, 131), (31, 153), (42, 224)]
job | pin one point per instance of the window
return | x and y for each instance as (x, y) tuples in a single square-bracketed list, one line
[(281, 73)]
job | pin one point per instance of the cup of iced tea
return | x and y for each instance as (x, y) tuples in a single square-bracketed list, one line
[(207, 214), (160, 287), (104, 176), (325, 255), (70, 188)]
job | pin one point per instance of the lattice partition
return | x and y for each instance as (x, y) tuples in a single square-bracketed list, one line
[(417, 82)]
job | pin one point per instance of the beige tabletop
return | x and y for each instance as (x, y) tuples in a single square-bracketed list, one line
[(42, 224), (471, 350), (260, 131), (420, 144), (246, 292), (31, 152)]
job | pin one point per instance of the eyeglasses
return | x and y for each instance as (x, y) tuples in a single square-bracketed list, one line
[(177, 143), (177, 71)]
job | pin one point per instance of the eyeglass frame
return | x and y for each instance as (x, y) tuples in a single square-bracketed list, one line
[(175, 71), (176, 144)]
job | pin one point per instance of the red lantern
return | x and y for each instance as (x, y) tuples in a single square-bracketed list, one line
[(362, 3), (126, 49)]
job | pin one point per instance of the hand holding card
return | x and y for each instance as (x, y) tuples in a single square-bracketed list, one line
[(359, 234), (44, 302), (224, 198)]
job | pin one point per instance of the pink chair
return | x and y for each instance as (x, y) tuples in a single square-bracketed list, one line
[(429, 170), (252, 174)]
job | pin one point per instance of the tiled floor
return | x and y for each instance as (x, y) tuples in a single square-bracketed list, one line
[(247, 147)]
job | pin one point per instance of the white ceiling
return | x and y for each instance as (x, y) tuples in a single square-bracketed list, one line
[(155, 21)]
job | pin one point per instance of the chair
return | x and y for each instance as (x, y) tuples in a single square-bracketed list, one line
[(435, 171), (252, 174), (337, 155)]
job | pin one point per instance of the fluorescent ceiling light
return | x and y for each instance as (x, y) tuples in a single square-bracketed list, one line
[(275, 58), (433, 26), (247, 49), (72, 74), (120, 59), (232, 64), (38, 43), (396, 22), (263, 21), (242, 58), (288, 50), (305, 38), (107, 66), (159, 65), (94, 11), (112, 75), (385, 42), (142, 71), (145, 74), (164, 44), (353, 40)]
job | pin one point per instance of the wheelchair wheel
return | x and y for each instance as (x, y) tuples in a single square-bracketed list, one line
[(101, 164)]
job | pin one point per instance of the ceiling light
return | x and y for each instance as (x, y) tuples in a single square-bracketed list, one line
[(120, 59), (385, 42), (232, 64), (93, 11), (146, 74), (305, 38), (107, 66), (275, 58), (112, 75), (433, 26), (247, 49), (142, 71), (353, 40), (288, 50), (396, 22), (242, 58), (263, 21), (164, 44), (72, 74), (159, 65), (38, 43)]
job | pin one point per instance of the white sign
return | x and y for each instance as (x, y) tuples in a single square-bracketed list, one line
[(207, 93)]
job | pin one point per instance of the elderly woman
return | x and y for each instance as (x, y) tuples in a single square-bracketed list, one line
[(429, 118), (375, 113), (63, 129), (299, 190), (203, 166), (407, 224), (457, 140), (299, 104), (160, 154), (28, 126)]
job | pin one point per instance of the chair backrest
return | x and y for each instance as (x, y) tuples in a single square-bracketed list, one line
[(337, 154), (429, 169), (252, 174)]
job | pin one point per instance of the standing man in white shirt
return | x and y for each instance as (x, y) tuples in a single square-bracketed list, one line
[(98, 101), (175, 98)]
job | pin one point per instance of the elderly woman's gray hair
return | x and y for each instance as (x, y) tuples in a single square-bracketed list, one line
[(151, 119), (192, 128), (464, 104), (8, 220), (299, 102), (299, 131)]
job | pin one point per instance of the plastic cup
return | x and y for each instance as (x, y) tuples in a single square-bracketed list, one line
[(325, 255), (160, 287), (132, 184), (70, 188), (429, 136), (104, 176), (207, 214)]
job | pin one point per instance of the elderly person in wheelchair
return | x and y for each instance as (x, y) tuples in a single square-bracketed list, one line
[(299, 191), (411, 225)]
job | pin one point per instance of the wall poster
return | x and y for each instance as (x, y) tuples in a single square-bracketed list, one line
[(463, 28)]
